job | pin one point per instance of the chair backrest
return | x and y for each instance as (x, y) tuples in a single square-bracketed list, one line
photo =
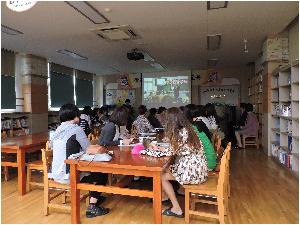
[(224, 169), (47, 157), (213, 137), (134, 131), (3, 135), (218, 143)]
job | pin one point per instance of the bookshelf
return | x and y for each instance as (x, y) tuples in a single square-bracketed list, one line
[(284, 129), (255, 94), (53, 120), (16, 123)]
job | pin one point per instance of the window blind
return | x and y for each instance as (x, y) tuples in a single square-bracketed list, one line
[(61, 85), (84, 89), (8, 93)]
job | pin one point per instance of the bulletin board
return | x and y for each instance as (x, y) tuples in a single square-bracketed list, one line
[(223, 94), (118, 97)]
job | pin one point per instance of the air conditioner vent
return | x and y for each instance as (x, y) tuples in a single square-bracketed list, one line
[(116, 33)]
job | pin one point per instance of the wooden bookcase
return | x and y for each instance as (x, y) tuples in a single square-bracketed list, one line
[(284, 129), (255, 93)]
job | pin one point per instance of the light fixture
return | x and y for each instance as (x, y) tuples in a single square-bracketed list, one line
[(72, 54), (88, 11), (245, 45), (212, 62), (213, 41), (20, 6), (10, 31), (157, 66), (216, 5)]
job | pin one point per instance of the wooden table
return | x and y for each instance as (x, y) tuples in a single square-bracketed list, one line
[(123, 162), (20, 146)]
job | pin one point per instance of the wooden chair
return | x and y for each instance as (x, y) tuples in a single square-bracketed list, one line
[(34, 165), (93, 139), (217, 143), (215, 186), (134, 131), (250, 141), (7, 157), (49, 184), (4, 158)]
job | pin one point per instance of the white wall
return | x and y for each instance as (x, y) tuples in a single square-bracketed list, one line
[(241, 73)]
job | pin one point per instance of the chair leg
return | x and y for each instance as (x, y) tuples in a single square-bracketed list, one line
[(257, 143), (193, 203), (6, 173), (187, 206), (28, 179), (244, 140), (46, 200), (221, 210), (64, 198)]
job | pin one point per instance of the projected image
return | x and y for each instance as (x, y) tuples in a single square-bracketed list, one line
[(166, 91)]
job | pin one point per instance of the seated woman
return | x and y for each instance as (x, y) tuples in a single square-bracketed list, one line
[(250, 128), (244, 114), (108, 133), (160, 115), (153, 119), (191, 112), (190, 166), (142, 123)]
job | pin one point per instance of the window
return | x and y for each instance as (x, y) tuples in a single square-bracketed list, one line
[(67, 85), (8, 93), (61, 85), (84, 89)]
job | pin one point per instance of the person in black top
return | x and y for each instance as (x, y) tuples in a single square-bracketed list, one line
[(152, 118), (131, 115), (118, 118), (85, 119), (244, 114), (95, 121), (192, 111)]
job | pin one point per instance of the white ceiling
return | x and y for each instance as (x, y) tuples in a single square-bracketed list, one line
[(174, 33)]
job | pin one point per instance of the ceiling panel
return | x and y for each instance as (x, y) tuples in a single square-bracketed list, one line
[(174, 33)]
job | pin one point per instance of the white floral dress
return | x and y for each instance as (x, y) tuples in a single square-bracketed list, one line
[(190, 165), (142, 124)]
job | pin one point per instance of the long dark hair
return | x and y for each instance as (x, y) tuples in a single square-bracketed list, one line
[(176, 121), (119, 116)]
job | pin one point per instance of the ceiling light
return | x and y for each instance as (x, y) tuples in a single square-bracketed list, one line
[(213, 41), (212, 62), (157, 66), (88, 11), (216, 5), (107, 10), (10, 31), (72, 54), (20, 6), (245, 46)]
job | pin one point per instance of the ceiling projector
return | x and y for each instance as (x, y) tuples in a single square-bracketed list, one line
[(135, 55)]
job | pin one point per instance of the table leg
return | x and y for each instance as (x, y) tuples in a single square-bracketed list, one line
[(21, 172), (75, 194), (157, 198)]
